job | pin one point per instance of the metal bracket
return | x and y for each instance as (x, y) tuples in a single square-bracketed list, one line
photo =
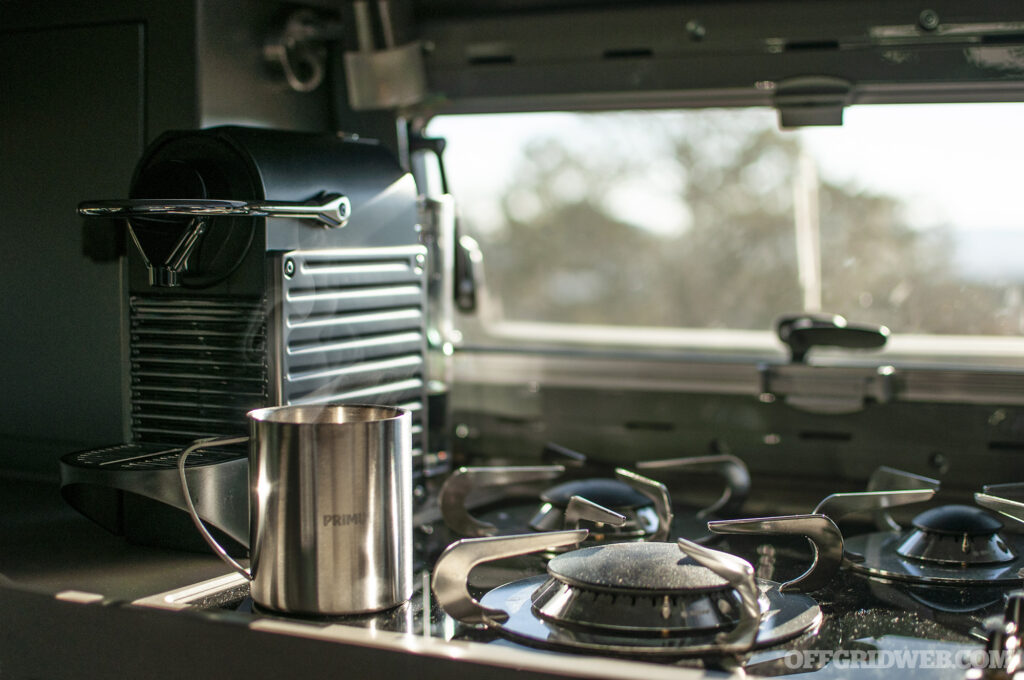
[(581, 509), (451, 571), (812, 100), (460, 483), (839, 505), (824, 536), (658, 493), (383, 79), (890, 479), (1007, 507), (740, 575), (733, 470), (824, 389)]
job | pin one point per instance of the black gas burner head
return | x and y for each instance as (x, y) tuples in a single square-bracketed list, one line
[(956, 534), (956, 520), (639, 510), (611, 493), (629, 507), (643, 503), (949, 544)]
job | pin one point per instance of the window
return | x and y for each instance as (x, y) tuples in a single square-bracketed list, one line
[(907, 216)]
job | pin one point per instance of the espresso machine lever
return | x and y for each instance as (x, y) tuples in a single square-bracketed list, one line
[(331, 211)]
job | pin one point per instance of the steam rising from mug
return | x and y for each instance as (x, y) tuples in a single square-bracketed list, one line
[(330, 507)]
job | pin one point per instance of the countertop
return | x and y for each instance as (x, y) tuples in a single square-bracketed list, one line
[(45, 545)]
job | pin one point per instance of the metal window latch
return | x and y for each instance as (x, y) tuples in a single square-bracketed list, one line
[(801, 332), (826, 389)]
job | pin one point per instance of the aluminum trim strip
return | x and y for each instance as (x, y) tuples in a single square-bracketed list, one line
[(929, 385)]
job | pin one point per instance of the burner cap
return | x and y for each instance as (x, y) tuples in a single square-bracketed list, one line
[(957, 520), (655, 568), (956, 534), (641, 588), (611, 493)]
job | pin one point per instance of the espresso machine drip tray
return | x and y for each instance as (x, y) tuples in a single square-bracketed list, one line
[(133, 490)]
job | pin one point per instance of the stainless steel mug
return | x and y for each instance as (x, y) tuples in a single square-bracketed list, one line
[(330, 508)]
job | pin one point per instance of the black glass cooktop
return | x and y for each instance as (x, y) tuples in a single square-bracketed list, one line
[(869, 627)]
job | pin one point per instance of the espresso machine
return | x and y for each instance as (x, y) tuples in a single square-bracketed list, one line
[(265, 268)]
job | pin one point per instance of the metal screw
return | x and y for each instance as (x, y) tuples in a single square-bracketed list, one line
[(289, 268), (696, 30), (928, 20)]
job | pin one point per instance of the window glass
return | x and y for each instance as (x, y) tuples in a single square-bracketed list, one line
[(907, 216)]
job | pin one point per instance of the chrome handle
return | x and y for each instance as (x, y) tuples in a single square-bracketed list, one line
[(580, 509), (210, 540), (890, 479), (461, 482), (733, 470), (839, 505), (451, 571), (658, 493), (824, 536), (740, 575), (330, 210)]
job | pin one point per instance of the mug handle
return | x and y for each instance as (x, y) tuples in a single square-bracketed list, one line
[(210, 540)]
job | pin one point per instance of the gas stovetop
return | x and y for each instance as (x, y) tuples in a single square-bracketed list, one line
[(562, 583)]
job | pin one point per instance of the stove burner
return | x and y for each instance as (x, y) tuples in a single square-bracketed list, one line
[(641, 515), (642, 588), (644, 503), (956, 534), (633, 599), (949, 544), (783, 616), (630, 507)]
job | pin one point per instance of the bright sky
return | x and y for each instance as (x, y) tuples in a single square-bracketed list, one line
[(953, 164)]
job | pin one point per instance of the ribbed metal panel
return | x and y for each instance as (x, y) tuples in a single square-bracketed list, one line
[(352, 328), (197, 366)]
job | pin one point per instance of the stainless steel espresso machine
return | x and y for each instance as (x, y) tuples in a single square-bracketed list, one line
[(265, 268)]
